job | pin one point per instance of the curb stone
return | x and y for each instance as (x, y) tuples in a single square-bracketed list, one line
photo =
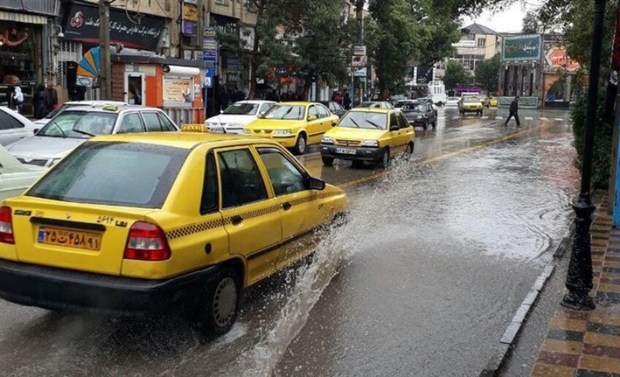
[(510, 336)]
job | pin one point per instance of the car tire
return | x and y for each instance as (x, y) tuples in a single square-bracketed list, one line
[(434, 124), (409, 151), (327, 161), (384, 159), (357, 163), (425, 126), (217, 309), (301, 144)]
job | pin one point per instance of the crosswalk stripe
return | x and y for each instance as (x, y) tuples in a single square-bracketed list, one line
[(543, 118), (528, 118), (455, 118), (498, 118), (484, 117), (559, 119)]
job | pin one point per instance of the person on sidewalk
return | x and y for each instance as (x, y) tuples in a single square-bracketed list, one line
[(18, 99), (514, 111)]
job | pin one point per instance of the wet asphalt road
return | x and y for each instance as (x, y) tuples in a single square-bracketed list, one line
[(423, 279)]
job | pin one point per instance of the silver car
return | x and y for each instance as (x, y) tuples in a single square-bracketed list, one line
[(16, 177), (75, 125), (14, 126)]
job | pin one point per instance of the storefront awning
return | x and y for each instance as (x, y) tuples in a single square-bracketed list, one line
[(23, 18)]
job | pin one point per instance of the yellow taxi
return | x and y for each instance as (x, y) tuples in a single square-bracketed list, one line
[(190, 218), (368, 134), (294, 124), (470, 104)]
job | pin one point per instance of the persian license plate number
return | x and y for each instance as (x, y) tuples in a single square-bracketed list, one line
[(345, 150), (216, 130), (69, 238)]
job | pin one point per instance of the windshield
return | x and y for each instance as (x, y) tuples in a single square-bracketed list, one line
[(296, 112), (471, 99), (91, 174), (364, 119), (242, 109), (79, 124)]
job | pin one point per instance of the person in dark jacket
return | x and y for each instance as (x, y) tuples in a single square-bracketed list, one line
[(39, 105), (513, 112), (346, 101)]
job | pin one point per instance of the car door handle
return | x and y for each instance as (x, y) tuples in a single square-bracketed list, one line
[(286, 206), (235, 220)]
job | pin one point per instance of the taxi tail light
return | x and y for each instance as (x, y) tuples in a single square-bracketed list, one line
[(6, 226), (146, 242)]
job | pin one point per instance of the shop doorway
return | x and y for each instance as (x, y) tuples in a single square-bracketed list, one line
[(134, 89)]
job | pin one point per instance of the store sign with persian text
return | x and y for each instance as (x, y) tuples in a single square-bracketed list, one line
[(189, 22), (130, 29)]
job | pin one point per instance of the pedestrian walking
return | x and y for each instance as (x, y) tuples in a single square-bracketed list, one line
[(346, 101), (51, 98), (38, 102), (513, 112), (18, 99)]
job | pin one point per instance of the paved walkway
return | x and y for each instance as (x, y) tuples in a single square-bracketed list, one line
[(587, 343)]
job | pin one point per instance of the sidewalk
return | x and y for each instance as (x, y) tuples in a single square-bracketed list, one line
[(587, 343)]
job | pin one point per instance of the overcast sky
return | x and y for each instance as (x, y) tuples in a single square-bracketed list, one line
[(508, 20)]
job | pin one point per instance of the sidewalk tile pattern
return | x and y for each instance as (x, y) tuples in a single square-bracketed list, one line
[(587, 343)]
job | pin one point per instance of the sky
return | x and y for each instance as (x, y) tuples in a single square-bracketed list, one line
[(508, 20)]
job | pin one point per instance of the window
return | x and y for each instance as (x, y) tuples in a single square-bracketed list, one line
[(166, 123), (393, 120), (322, 110), (241, 179), (79, 124), (265, 107), (7, 122), (312, 111), (284, 175), (481, 42), (151, 120), (209, 189), (91, 175), (130, 123), (403, 121)]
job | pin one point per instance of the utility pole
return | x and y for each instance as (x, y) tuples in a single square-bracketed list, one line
[(105, 75)]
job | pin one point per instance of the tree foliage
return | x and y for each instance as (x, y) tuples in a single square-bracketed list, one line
[(531, 23), (487, 73), (455, 75)]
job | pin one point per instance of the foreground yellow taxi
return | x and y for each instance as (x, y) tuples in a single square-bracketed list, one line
[(365, 134), (141, 222), (294, 124)]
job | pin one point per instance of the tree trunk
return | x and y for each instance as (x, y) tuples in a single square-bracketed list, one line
[(254, 55)]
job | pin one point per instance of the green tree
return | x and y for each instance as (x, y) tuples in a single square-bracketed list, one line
[(487, 73), (531, 23), (455, 75)]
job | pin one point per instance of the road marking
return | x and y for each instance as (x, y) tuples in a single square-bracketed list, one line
[(456, 117), (484, 117), (441, 157), (559, 119), (529, 118), (543, 118), (498, 118)]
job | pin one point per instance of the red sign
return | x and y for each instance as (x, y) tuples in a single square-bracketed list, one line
[(558, 58)]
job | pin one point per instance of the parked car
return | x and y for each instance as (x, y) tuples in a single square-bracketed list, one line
[(15, 177), (470, 104), (366, 134), (14, 126), (143, 223), (375, 105), (75, 125), (420, 114), (334, 107), (43, 121), (489, 102), (294, 124), (452, 102), (238, 115), (401, 103)]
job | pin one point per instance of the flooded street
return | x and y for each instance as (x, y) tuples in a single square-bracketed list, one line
[(423, 279)]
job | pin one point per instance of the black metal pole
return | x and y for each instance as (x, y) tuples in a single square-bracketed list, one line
[(579, 275)]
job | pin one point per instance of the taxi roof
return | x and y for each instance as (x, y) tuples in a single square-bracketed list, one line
[(297, 103), (187, 140), (371, 110)]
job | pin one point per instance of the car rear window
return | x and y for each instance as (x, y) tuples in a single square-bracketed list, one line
[(79, 124), (127, 174)]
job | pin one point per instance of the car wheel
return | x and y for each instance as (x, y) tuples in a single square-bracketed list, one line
[(300, 144), (218, 308), (409, 151), (357, 163), (434, 124), (384, 160), (327, 161)]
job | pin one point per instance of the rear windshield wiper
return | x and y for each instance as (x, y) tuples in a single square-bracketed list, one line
[(82, 132)]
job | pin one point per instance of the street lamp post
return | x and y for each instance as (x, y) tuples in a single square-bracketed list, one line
[(579, 275), (105, 75)]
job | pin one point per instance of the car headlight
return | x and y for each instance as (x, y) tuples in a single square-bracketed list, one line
[(246, 131), (327, 140), (282, 133), (420, 117), (370, 143)]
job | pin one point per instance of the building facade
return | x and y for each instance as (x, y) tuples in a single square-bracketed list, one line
[(477, 43)]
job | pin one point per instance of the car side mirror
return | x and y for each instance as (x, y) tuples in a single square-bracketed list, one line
[(261, 115), (35, 130), (312, 117), (316, 184), (334, 122)]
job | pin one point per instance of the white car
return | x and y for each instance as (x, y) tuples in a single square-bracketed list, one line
[(43, 121), (15, 177), (236, 116), (14, 126), (75, 125), (452, 102)]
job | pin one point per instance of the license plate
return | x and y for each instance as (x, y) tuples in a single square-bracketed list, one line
[(216, 130), (345, 150), (69, 238)]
